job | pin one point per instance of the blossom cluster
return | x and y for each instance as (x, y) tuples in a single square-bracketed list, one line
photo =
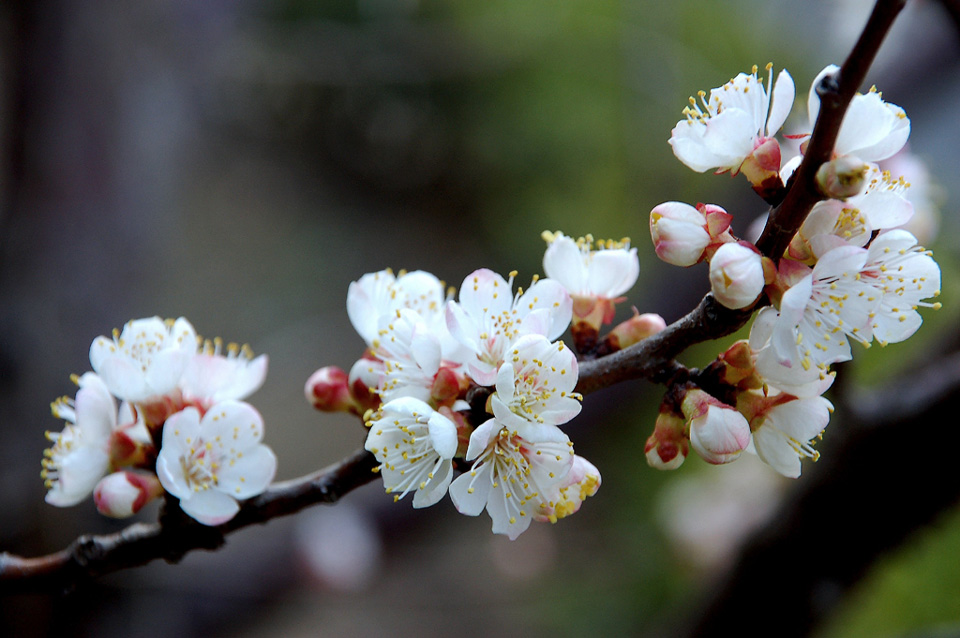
[(467, 396), (851, 274), (181, 426)]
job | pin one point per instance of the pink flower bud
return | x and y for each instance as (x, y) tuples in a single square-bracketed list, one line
[(717, 431), (679, 233), (328, 390), (633, 330), (736, 275), (668, 446), (122, 494)]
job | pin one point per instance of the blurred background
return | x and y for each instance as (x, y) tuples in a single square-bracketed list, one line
[(239, 163)]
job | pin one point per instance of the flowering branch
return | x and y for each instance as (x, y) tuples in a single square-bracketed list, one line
[(479, 386), (89, 557), (835, 91)]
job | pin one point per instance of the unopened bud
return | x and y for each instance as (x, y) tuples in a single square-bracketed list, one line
[(668, 446), (737, 275), (328, 390), (842, 177), (762, 169), (717, 431), (122, 494), (633, 330), (679, 233)]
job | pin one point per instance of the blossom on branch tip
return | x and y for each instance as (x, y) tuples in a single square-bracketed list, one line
[(212, 462), (740, 118), (872, 129), (146, 359), (415, 446)]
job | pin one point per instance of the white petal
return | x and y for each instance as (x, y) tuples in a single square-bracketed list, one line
[(249, 475), (436, 487), (210, 507), (784, 93), (469, 491), (443, 435)]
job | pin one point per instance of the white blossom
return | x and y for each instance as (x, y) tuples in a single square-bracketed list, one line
[(488, 318), (80, 455), (601, 269), (415, 446), (720, 133), (211, 462), (146, 359)]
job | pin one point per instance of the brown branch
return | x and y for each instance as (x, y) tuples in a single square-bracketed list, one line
[(835, 93), (92, 556)]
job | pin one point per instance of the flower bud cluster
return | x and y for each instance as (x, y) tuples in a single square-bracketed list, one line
[(850, 273), (181, 426)]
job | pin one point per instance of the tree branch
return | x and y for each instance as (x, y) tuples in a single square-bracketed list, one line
[(176, 534), (835, 93)]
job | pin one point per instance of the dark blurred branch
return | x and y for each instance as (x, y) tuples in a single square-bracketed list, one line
[(952, 8), (881, 479), (835, 93), (92, 556)]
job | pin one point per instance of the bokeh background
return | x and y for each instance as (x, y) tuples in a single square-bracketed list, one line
[(240, 162)]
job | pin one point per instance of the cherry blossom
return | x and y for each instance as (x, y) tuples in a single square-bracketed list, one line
[(488, 318), (208, 463), (872, 129), (738, 120), (211, 376), (565, 498), (414, 445), (146, 359), (904, 274), (588, 268), (80, 455), (782, 427)]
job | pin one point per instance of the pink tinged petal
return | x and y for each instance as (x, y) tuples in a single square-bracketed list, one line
[(469, 492), (443, 435), (100, 350), (210, 507), (762, 328), (249, 475), (484, 292), (784, 93), (613, 272), (462, 327), (434, 489), (843, 261), (563, 262), (482, 373), (720, 435), (165, 370)]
